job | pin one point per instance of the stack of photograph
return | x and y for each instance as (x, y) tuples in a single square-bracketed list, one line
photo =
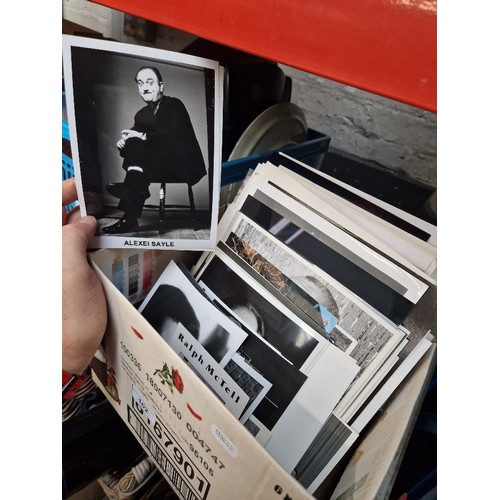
[(316, 304)]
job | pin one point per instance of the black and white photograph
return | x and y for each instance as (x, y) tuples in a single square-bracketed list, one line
[(326, 450), (408, 253), (292, 434), (286, 380), (381, 284), (362, 334), (322, 312), (174, 299), (388, 299), (287, 419), (357, 206), (301, 417), (250, 380), (145, 127), (294, 341), (407, 223), (369, 204), (228, 390)]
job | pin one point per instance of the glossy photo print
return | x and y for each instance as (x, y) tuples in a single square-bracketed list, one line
[(145, 134)]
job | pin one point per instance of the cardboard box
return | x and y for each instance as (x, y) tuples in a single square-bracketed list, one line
[(200, 448)]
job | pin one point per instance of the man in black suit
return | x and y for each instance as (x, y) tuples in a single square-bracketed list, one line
[(161, 139)]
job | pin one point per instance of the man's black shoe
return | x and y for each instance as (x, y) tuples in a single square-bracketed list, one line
[(117, 189), (121, 190), (122, 226)]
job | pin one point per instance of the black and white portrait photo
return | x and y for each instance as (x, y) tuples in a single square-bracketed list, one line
[(169, 306), (146, 139), (176, 299)]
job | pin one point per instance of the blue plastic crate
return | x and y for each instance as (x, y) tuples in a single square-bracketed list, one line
[(68, 170), (67, 167), (312, 151), (67, 163)]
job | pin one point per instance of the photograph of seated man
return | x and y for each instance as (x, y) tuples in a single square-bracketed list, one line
[(162, 137)]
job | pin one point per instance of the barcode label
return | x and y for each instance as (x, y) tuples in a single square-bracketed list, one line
[(177, 468)]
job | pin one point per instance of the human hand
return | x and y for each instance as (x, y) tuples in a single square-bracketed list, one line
[(128, 134), (84, 310)]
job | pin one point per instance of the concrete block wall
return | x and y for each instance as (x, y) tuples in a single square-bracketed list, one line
[(397, 136), (392, 134)]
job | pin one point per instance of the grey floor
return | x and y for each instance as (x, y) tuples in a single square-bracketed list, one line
[(178, 224)]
